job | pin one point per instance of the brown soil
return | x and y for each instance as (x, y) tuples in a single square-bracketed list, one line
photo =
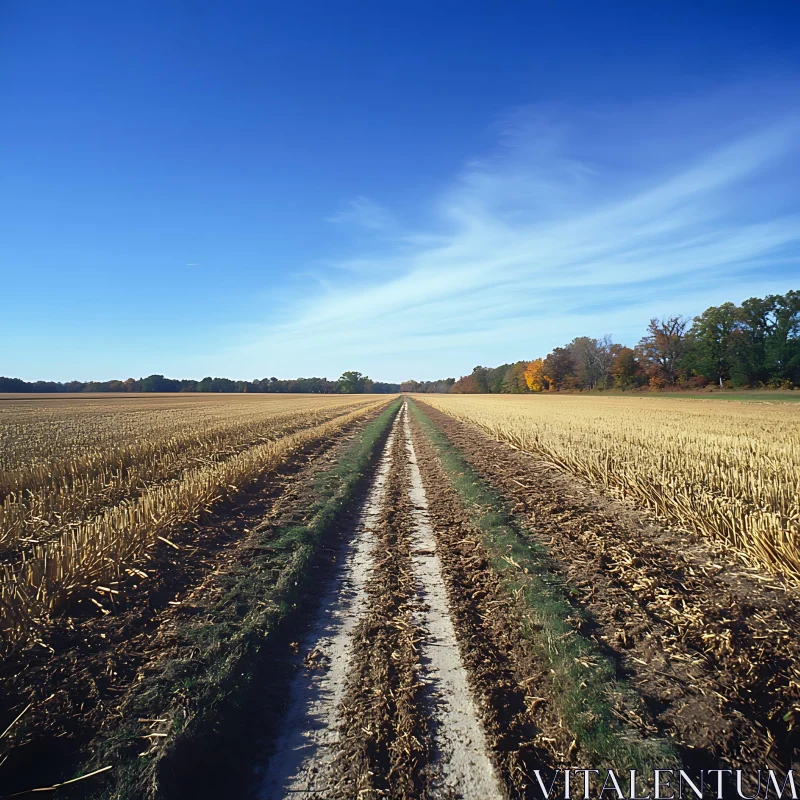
[(385, 739), (709, 643), (510, 682), (73, 682)]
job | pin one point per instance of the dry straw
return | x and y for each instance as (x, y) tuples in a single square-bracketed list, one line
[(196, 472), (728, 470), (88, 470)]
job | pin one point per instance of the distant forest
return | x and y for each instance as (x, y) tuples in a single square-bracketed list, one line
[(349, 383), (754, 345)]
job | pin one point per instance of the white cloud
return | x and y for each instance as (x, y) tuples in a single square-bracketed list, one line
[(534, 246)]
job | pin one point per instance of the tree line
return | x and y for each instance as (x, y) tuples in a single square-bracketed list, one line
[(351, 382), (753, 345)]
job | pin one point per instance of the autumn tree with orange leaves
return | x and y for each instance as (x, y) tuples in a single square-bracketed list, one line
[(535, 377)]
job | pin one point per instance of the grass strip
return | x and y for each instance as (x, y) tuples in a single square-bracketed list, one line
[(585, 682), (212, 702)]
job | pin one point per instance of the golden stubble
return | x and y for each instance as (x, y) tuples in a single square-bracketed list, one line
[(728, 470), (78, 507)]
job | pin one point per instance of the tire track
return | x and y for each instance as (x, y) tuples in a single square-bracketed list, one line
[(508, 677), (461, 764), (385, 732), (710, 645), (302, 762)]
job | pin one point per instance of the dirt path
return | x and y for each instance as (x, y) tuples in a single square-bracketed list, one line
[(305, 751), (418, 673), (507, 673), (381, 704)]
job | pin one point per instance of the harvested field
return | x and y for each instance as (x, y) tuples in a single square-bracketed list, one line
[(156, 648), (63, 460), (400, 605), (75, 519), (729, 471)]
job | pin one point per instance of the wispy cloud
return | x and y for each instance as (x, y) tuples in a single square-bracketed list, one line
[(537, 243), (364, 213)]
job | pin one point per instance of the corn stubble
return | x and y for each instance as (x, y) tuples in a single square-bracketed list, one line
[(730, 471), (74, 514), (88, 470)]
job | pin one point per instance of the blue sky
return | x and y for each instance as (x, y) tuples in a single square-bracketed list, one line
[(404, 188)]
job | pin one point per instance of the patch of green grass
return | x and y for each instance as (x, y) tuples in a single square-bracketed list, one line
[(737, 395), (209, 698), (744, 396), (585, 683)]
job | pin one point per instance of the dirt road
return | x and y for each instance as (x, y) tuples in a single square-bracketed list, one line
[(308, 758)]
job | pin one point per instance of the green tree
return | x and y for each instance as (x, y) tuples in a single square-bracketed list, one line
[(353, 382), (481, 380), (158, 383), (782, 344), (717, 344), (514, 379), (758, 323)]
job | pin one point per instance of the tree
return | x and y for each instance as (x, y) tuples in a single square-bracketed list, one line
[(353, 383), (782, 346), (559, 369), (757, 315), (14, 385), (716, 343), (605, 354), (465, 385), (535, 377), (592, 360), (158, 383), (480, 379), (496, 379), (663, 347), (626, 371), (514, 379), (442, 386), (381, 387)]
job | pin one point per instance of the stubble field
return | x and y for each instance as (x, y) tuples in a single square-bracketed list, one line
[(88, 484), (365, 596), (730, 471)]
